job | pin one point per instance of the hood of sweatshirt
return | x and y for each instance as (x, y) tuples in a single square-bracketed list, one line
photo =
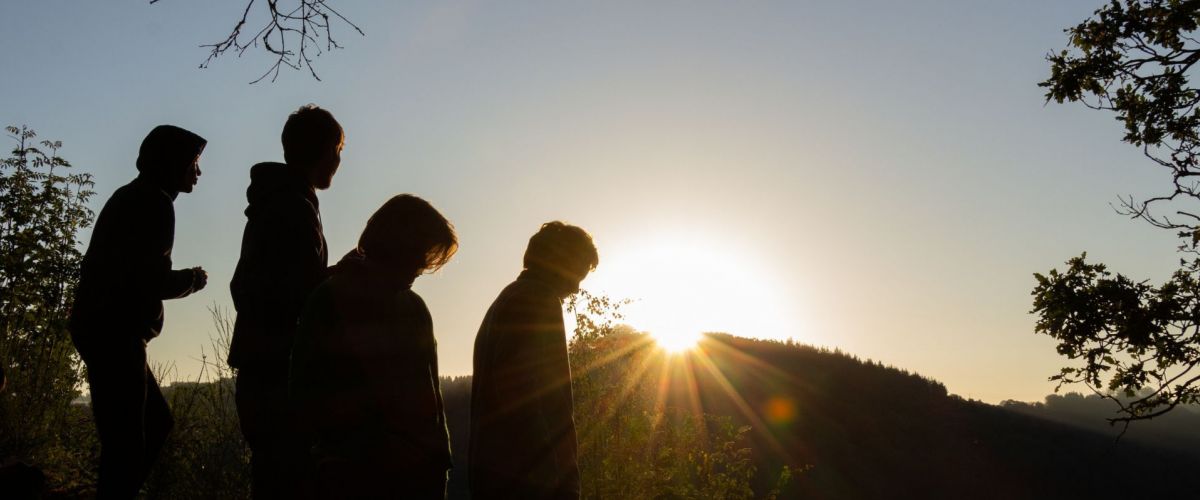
[(276, 187), (165, 153)]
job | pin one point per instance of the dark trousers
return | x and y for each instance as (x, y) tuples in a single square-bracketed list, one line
[(132, 417), (280, 463)]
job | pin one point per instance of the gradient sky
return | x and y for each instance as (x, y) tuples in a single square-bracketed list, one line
[(879, 177)]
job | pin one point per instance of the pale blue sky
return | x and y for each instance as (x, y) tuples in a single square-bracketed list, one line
[(881, 177)]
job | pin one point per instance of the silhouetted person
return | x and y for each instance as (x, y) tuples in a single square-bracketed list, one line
[(125, 276), (522, 428), (283, 259), (364, 366)]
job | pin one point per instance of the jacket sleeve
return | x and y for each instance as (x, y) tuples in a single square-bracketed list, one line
[(178, 284), (307, 262), (151, 237)]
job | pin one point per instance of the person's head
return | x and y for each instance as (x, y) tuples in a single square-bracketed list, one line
[(170, 157), (563, 251), (312, 142), (408, 234)]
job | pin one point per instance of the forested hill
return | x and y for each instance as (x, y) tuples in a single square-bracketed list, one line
[(1179, 429), (858, 429)]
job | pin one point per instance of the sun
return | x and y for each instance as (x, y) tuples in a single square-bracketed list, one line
[(685, 285), (676, 341)]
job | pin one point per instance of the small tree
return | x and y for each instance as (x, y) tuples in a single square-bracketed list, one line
[(43, 207), (630, 444), (1134, 58)]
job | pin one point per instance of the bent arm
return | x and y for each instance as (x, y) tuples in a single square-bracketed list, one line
[(151, 238), (178, 284)]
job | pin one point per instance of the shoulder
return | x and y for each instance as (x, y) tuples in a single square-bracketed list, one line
[(276, 192), (410, 304), (535, 293), (523, 298), (141, 200)]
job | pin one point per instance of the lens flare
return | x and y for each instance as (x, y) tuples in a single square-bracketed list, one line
[(780, 410)]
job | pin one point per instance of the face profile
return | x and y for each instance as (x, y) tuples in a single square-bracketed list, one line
[(170, 158), (321, 175), (563, 254), (409, 235), (190, 176), (312, 143)]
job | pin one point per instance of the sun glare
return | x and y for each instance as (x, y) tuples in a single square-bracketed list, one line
[(684, 286), (676, 342)]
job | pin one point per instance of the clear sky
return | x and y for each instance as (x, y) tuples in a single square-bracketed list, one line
[(879, 177)]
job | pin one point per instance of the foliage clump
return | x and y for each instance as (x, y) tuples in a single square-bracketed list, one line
[(1134, 58), (44, 206), (1139, 343)]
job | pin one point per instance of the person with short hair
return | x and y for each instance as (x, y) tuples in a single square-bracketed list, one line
[(125, 275), (523, 442), (364, 365), (283, 258)]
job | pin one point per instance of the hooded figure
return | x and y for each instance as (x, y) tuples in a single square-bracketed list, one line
[(125, 276), (283, 258)]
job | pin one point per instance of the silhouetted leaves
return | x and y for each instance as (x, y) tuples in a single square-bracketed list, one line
[(43, 207), (1134, 58), (1129, 335)]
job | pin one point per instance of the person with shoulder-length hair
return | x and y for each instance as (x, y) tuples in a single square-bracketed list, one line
[(125, 276), (523, 442), (364, 370)]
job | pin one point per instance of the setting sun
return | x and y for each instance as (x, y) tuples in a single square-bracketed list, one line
[(683, 286), (676, 341)]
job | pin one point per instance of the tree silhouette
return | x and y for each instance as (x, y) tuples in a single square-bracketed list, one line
[(43, 208), (1133, 58)]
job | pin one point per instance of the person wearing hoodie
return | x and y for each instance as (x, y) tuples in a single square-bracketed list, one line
[(364, 366), (523, 442), (125, 275), (283, 258)]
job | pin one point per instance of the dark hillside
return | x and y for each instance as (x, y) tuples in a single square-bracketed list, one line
[(864, 430), (871, 431)]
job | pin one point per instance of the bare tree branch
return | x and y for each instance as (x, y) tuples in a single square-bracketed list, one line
[(294, 35)]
